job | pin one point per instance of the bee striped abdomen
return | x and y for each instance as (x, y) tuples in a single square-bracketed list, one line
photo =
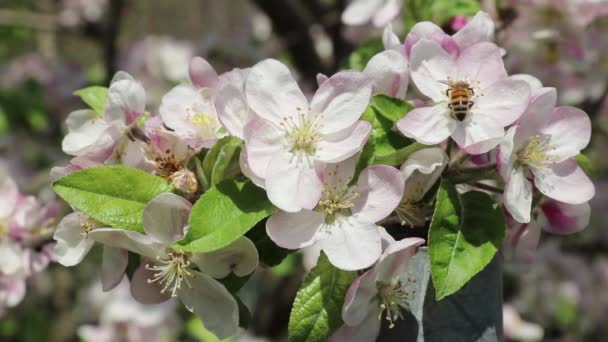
[(460, 100)]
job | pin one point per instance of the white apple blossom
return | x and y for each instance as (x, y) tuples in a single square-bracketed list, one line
[(541, 149), (378, 12), (293, 137), (493, 100), (343, 222)]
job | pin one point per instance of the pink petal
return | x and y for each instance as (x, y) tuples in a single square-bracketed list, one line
[(565, 182), (202, 74), (295, 230), (129, 240), (143, 291), (481, 62), (563, 218), (570, 131), (8, 195), (339, 146), (538, 114), (380, 188), (428, 125), (389, 11), (166, 217), (273, 93), (113, 266), (479, 29), (126, 99), (423, 30), (396, 257), (478, 135), (292, 185), (389, 72), (351, 243), (321, 78), (390, 40), (502, 103), (341, 100), (232, 109), (358, 300), (430, 64)]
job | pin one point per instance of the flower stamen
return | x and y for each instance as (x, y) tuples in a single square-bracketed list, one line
[(393, 297), (536, 152), (302, 136), (171, 272)]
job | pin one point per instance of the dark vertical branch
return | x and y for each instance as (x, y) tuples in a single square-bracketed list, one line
[(110, 37), (293, 30)]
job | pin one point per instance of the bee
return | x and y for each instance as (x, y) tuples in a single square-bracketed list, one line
[(460, 94)]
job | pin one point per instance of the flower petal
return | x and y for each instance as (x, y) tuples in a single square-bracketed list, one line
[(202, 74), (240, 257), (380, 188), (367, 330), (166, 217), (273, 93), (212, 303), (8, 195), (426, 30), (263, 141), (232, 109), (85, 129), (358, 300), (570, 131), (339, 146), (565, 182), (563, 218), (292, 185), (395, 258), (385, 14), (481, 62), (390, 40), (389, 72), (518, 195), (505, 158), (352, 243), (143, 291), (477, 136), (538, 114), (129, 240), (126, 100), (502, 103), (113, 266), (479, 29), (257, 180), (430, 64), (341, 100), (421, 171), (359, 12), (71, 245), (428, 125), (295, 230)]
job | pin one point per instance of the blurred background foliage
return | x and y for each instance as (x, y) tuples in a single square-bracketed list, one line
[(50, 48)]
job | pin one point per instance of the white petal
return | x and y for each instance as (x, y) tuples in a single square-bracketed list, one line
[(503, 103), (113, 265), (240, 257), (295, 230), (232, 109), (360, 12), (263, 141), (212, 303), (565, 182), (367, 330), (126, 100), (477, 136), (481, 62), (71, 245), (428, 125), (351, 244), (273, 93), (570, 131), (339, 146), (518, 195), (201, 73), (386, 13), (390, 40), (358, 301), (381, 189), (430, 64), (292, 185), (505, 157), (129, 240), (86, 128), (479, 29), (8, 195), (142, 289), (166, 217), (390, 73), (421, 170), (395, 259), (341, 100)]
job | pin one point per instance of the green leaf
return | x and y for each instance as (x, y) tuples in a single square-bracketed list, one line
[(585, 163), (358, 59), (270, 254), (222, 161), (390, 108), (113, 195), (317, 309), (223, 214), (94, 96), (444, 10), (465, 233), (197, 330)]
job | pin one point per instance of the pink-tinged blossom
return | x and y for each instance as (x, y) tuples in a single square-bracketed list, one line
[(91, 133), (540, 151), (188, 109), (477, 30), (381, 292), (377, 12), (166, 271), (389, 72), (343, 222), (292, 137), (550, 216), (493, 100), (420, 172), (231, 102)]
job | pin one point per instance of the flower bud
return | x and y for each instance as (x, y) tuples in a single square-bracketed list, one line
[(185, 181)]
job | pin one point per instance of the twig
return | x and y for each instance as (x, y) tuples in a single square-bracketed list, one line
[(488, 187)]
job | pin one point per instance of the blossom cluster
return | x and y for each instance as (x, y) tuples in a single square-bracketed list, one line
[(469, 115), (26, 225)]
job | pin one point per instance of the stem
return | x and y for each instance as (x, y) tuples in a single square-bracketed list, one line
[(488, 187), (473, 173)]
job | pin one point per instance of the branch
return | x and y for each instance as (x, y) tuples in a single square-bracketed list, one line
[(109, 41)]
